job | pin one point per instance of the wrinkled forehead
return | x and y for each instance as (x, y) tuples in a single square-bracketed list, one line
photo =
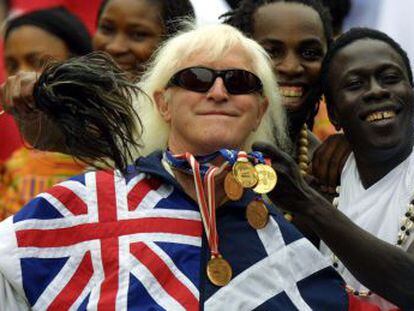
[(223, 57)]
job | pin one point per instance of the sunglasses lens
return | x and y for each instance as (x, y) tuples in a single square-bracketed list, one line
[(199, 79), (241, 82), (196, 79)]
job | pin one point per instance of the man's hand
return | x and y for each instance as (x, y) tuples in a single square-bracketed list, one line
[(328, 161), (292, 193)]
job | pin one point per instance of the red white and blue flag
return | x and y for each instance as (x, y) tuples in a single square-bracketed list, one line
[(105, 242)]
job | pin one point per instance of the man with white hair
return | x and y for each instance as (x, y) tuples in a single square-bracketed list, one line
[(186, 226)]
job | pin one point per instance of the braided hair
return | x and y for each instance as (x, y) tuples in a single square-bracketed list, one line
[(243, 19), (172, 13), (89, 99), (339, 9)]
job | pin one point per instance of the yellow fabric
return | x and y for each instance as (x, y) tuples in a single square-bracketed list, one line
[(323, 127), (29, 172)]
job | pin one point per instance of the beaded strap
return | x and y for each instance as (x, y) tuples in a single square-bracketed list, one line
[(407, 224), (303, 158)]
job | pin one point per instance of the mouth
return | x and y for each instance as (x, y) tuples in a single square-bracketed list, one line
[(291, 91), (292, 96), (380, 115), (218, 114)]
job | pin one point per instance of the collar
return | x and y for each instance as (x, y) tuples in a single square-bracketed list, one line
[(152, 164)]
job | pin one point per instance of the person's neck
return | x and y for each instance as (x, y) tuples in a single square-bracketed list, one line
[(187, 181), (375, 165)]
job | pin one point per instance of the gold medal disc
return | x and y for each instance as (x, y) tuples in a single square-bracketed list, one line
[(232, 188), (219, 271), (257, 214), (245, 174), (267, 178)]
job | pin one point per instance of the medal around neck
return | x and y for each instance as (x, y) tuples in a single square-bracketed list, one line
[(219, 271), (267, 179), (233, 189), (257, 214), (245, 174)]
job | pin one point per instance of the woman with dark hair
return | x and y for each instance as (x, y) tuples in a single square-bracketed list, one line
[(31, 40), (131, 30), (296, 34)]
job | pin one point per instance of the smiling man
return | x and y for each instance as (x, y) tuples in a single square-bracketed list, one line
[(368, 85), (367, 82)]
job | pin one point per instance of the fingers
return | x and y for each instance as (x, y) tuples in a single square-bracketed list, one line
[(328, 161), (17, 94), (275, 154)]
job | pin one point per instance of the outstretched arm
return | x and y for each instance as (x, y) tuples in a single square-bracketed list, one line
[(382, 267), (35, 126)]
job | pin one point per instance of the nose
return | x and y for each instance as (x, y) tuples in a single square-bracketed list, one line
[(218, 91), (289, 66), (376, 91), (117, 45)]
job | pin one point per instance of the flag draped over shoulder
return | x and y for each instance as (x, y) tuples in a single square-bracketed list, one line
[(108, 242)]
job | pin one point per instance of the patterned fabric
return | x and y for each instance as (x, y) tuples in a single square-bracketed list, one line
[(29, 172), (135, 242)]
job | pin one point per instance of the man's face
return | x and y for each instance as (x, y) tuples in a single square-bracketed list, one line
[(372, 99), (202, 123)]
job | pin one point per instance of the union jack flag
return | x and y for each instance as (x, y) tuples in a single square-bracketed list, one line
[(103, 240), (100, 241)]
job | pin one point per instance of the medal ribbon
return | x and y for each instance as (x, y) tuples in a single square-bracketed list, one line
[(207, 207), (199, 167)]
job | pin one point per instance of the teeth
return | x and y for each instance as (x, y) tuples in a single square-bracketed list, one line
[(380, 115), (291, 91)]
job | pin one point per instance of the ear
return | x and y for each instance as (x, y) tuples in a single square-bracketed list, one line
[(162, 105), (262, 110), (333, 114)]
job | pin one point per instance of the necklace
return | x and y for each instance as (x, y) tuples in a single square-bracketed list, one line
[(303, 150), (302, 154), (406, 226)]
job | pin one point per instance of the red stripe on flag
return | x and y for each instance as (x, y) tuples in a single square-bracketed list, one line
[(68, 236), (166, 278), (75, 286), (69, 198), (110, 261), (140, 190), (105, 189)]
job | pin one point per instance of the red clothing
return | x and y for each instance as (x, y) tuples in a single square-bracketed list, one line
[(86, 10), (10, 138)]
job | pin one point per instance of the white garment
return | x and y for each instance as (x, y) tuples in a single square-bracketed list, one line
[(208, 12), (378, 209)]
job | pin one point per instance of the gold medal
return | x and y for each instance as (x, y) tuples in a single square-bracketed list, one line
[(219, 271), (257, 214), (232, 188), (245, 174), (267, 179)]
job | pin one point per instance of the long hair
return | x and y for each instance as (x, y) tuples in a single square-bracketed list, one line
[(89, 99), (198, 40)]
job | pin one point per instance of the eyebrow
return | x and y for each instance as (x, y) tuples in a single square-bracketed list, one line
[(303, 42)]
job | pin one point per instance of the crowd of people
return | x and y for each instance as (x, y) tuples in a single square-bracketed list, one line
[(169, 165)]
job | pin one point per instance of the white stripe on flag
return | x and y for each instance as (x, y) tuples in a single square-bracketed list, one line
[(154, 289), (273, 241), (177, 272), (269, 277)]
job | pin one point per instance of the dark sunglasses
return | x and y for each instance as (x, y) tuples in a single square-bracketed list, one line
[(201, 79)]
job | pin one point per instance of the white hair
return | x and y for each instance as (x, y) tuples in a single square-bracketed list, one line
[(212, 42)]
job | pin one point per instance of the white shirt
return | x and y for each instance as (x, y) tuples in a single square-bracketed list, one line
[(378, 209)]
